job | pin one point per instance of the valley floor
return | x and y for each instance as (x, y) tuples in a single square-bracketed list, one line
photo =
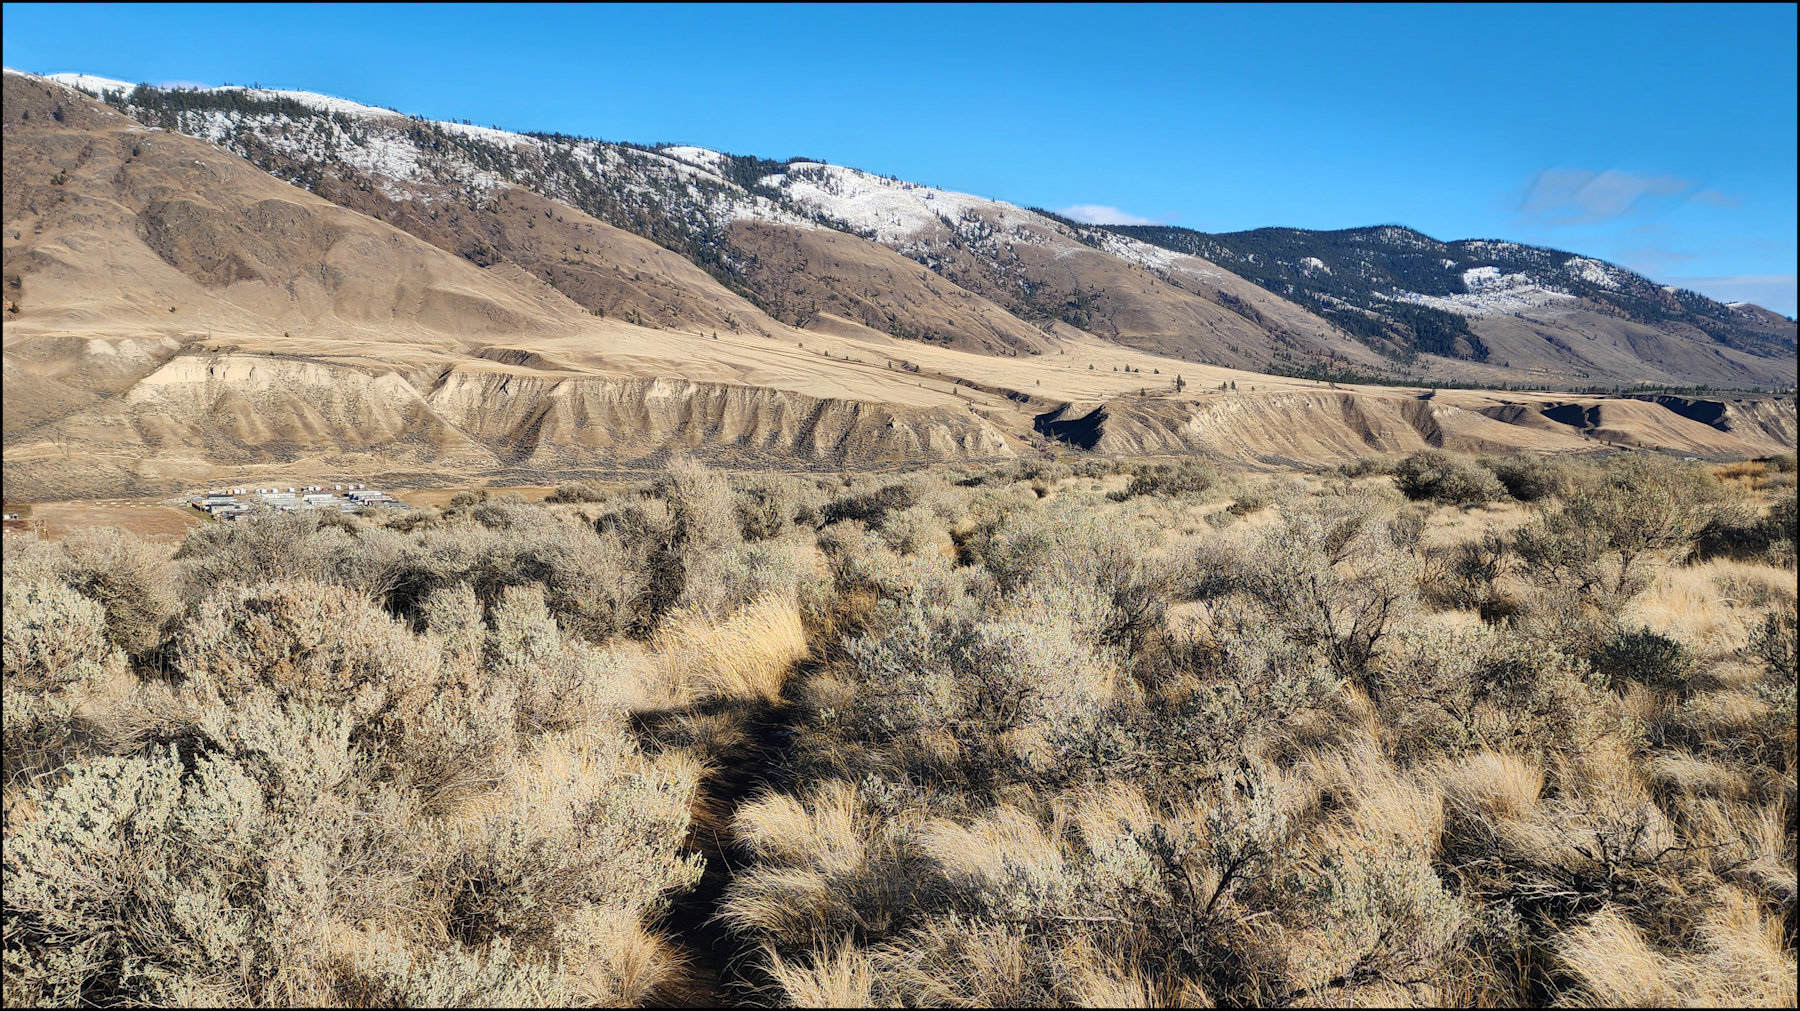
[(615, 398)]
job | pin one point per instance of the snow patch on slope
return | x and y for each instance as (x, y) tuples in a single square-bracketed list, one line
[(1484, 278), (310, 99), (85, 82), (488, 133), (374, 148), (1166, 261), (103, 86), (1490, 293), (906, 216), (1492, 247), (711, 161), (885, 209), (1593, 272)]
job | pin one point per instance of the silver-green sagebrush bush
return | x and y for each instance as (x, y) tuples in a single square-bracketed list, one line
[(1314, 776), (58, 659), (1306, 740), (55, 639), (350, 813)]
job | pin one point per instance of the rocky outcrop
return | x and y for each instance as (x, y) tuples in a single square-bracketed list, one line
[(1710, 428), (1763, 417), (1327, 426), (217, 413), (551, 421)]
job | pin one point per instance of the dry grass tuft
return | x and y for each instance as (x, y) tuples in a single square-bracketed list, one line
[(952, 965), (747, 657), (1097, 980), (1492, 785), (1696, 777), (1749, 584), (789, 904), (822, 871), (612, 961), (991, 848), (821, 832), (1710, 606), (1381, 801), (1746, 475), (1751, 962), (1615, 966), (1722, 715), (836, 976), (1744, 961)]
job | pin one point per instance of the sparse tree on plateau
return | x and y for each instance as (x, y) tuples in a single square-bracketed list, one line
[(1180, 384)]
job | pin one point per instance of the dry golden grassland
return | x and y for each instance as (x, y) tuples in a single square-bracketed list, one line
[(1508, 731)]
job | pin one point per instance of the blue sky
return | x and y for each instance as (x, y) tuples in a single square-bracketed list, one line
[(1660, 137)]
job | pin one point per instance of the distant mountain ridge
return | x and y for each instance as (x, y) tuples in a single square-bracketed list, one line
[(1390, 283), (281, 287), (814, 245), (761, 228)]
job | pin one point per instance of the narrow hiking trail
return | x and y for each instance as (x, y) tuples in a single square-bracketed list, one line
[(713, 970)]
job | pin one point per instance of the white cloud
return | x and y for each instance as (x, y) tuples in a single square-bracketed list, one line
[(1771, 291), (1563, 196), (1101, 214)]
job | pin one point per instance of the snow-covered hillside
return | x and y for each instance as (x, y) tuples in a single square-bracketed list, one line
[(1393, 283), (1392, 289), (418, 159), (423, 161)]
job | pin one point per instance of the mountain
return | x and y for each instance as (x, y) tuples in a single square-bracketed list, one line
[(1523, 307), (171, 309), (1039, 269), (240, 285), (1382, 302), (812, 245)]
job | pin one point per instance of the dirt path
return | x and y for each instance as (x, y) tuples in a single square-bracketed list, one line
[(716, 965)]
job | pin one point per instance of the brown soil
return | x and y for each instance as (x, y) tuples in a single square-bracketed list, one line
[(149, 520), (717, 969), (440, 497), (814, 278)]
